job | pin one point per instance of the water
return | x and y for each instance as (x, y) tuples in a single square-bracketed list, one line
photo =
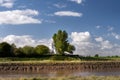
[(58, 74)]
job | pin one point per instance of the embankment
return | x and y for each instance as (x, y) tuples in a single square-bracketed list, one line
[(56, 66)]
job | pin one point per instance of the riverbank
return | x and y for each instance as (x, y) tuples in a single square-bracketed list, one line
[(68, 78), (68, 67)]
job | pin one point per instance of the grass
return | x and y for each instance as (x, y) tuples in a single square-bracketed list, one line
[(56, 58), (41, 58), (70, 78)]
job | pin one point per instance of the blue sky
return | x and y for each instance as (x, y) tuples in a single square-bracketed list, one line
[(92, 25)]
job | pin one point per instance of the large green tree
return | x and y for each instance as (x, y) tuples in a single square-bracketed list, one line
[(61, 44), (42, 50)]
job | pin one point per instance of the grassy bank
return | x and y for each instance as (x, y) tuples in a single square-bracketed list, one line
[(70, 78), (57, 58), (41, 58)]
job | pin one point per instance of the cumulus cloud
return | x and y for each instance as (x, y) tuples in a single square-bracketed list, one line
[(86, 45), (16, 17), (104, 44), (68, 13), (99, 39), (81, 40), (79, 37), (20, 41), (77, 1), (24, 40), (7, 3)]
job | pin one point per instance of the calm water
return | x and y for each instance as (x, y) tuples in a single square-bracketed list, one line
[(59, 74)]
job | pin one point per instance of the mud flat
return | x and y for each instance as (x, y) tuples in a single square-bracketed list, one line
[(56, 66)]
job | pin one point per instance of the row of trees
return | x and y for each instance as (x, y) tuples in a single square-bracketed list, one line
[(60, 43), (7, 50)]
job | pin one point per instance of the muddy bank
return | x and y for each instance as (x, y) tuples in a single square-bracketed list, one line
[(52, 67)]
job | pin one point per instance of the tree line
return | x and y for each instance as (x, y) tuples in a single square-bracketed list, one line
[(60, 43), (7, 50)]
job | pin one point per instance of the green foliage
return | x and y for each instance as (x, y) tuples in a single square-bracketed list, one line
[(5, 49), (71, 48), (28, 50), (42, 50), (96, 55), (61, 43)]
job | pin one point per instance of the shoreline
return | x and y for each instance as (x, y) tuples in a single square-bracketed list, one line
[(33, 67)]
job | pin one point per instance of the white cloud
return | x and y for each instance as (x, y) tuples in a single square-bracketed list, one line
[(99, 39), (60, 5), (16, 17), (81, 40), (77, 1), (85, 45), (68, 13), (7, 3), (104, 44), (115, 35), (79, 37), (24, 40)]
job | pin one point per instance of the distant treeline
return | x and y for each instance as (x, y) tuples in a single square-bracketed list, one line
[(10, 50)]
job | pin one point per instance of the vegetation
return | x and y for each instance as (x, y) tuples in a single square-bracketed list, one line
[(61, 43), (71, 78), (42, 58), (42, 50), (60, 58), (7, 50)]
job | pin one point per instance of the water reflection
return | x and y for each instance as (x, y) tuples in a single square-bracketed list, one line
[(58, 74)]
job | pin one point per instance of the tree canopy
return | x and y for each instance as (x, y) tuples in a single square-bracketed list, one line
[(61, 44), (5, 49), (42, 50)]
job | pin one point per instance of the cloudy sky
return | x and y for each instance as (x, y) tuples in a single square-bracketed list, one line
[(93, 26)]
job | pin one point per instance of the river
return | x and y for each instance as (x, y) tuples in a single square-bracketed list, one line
[(58, 74)]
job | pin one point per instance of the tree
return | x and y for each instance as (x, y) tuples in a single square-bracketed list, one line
[(5, 49), (19, 52), (42, 50), (61, 43), (13, 48), (71, 48), (28, 50), (96, 55)]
